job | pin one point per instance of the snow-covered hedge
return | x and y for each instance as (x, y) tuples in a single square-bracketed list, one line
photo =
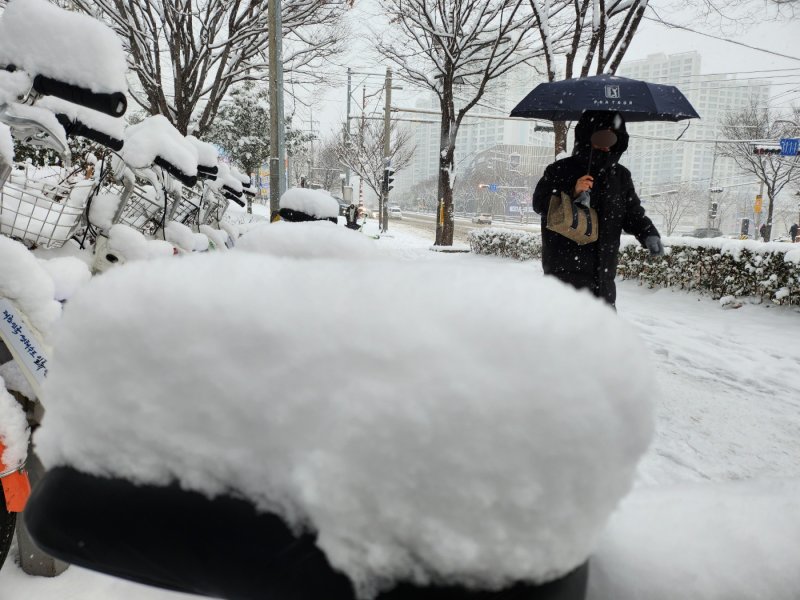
[(719, 267), (506, 243)]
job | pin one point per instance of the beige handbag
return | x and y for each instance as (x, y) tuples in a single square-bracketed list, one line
[(574, 221)]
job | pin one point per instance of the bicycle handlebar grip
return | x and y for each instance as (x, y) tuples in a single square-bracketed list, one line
[(75, 128), (207, 172), (114, 104), (187, 180), (234, 197)]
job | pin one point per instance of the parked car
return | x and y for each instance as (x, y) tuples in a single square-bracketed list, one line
[(705, 232), (482, 218), (395, 212)]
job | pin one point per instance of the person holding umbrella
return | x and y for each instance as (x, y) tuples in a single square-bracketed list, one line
[(592, 177)]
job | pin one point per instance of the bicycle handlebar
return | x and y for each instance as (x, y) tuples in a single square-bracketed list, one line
[(114, 104), (76, 128), (187, 180), (231, 196), (207, 172)]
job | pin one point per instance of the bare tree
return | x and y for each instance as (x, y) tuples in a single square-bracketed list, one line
[(364, 155), (187, 53), (675, 205), (598, 30), (773, 171), (456, 42)]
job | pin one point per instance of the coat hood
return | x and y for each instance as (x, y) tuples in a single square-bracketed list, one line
[(594, 120)]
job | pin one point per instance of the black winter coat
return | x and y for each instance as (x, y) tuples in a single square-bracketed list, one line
[(619, 209)]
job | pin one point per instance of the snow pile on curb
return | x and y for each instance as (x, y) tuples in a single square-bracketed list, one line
[(475, 465)]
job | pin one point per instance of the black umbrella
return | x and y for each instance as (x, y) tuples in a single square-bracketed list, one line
[(635, 100)]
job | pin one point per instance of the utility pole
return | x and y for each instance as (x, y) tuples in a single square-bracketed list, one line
[(387, 148), (711, 187), (347, 122), (277, 175)]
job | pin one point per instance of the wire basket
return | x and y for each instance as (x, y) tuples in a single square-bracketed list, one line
[(41, 213), (144, 210), (187, 211)]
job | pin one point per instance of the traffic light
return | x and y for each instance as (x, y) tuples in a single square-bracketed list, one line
[(713, 211), (388, 178), (766, 150)]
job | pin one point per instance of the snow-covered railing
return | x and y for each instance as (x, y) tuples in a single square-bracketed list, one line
[(719, 267)]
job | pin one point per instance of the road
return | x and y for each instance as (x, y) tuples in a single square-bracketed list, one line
[(425, 222)]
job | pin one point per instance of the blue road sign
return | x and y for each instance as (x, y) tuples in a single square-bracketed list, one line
[(492, 187), (790, 146)]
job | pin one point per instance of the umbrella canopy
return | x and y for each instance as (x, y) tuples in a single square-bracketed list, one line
[(636, 100)]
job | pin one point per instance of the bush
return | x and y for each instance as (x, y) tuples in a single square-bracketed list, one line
[(719, 267), (506, 243)]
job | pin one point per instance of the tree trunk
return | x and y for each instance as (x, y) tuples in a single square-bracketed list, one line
[(770, 210), (560, 129), (444, 213), (444, 230)]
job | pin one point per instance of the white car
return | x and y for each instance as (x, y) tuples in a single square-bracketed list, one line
[(482, 218), (395, 212)]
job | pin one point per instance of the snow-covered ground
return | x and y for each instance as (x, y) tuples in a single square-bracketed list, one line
[(713, 513)]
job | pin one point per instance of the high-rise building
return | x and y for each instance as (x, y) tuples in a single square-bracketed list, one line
[(478, 132), (654, 156)]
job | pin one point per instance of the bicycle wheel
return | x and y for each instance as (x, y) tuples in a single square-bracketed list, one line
[(8, 521)]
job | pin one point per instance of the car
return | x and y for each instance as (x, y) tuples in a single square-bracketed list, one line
[(395, 212), (705, 232), (482, 218)]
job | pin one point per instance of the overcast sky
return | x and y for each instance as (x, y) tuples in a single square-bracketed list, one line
[(717, 57)]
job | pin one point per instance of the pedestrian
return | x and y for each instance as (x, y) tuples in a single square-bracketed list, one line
[(351, 216), (793, 233), (593, 177), (763, 232)]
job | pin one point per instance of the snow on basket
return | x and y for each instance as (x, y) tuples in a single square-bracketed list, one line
[(418, 443), (44, 39)]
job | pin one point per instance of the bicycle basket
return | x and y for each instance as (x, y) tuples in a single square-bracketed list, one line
[(41, 213)]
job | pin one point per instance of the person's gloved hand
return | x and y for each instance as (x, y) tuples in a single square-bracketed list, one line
[(583, 199), (653, 243)]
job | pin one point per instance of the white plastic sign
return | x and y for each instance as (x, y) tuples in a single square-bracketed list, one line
[(25, 346)]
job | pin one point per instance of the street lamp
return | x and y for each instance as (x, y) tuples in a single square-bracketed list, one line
[(342, 176)]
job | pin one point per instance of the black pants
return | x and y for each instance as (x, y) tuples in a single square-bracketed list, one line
[(607, 289), (182, 541)]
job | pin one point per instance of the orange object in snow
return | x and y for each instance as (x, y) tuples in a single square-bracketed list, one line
[(16, 486)]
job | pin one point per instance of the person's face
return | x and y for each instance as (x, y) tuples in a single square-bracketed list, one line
[(603, 140)]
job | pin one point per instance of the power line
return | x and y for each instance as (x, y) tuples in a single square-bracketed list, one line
[(658, 19)]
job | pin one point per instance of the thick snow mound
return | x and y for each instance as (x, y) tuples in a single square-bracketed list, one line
[(418, 442), (28, 284), (68, 273), (155, 136), (183, 237), (13, 430), (134, 246), (316, 203), (702, 541), (310, 239), (44, 39)]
